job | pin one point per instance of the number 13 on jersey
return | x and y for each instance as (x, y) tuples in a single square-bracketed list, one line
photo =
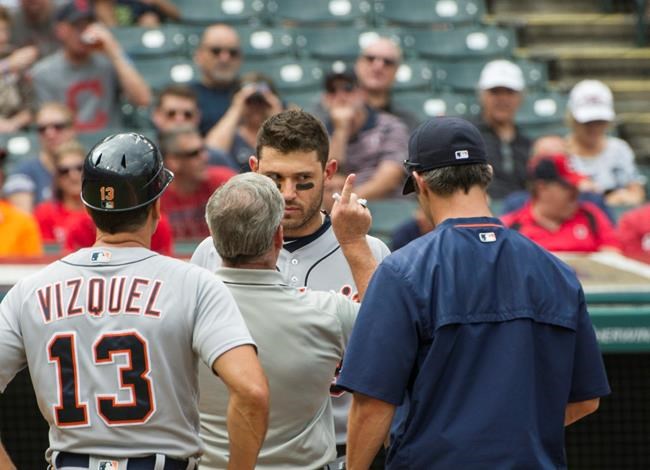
[(133, 377)]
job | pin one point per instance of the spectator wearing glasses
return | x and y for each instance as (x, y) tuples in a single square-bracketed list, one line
[(372, 144), (89, 72), (219, 60), (376, 68), (501, 86), (30, 182), (55, 215), (235, 135), (194, 182), (607, 160)]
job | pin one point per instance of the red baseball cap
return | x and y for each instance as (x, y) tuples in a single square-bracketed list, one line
[(554, 168)]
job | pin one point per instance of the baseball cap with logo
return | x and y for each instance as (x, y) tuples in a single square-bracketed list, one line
[(501, 73), (591, 100), (76, 10), (441, 142), (554, 168)]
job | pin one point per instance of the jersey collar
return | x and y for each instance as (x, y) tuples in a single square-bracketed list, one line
[(293, 244)]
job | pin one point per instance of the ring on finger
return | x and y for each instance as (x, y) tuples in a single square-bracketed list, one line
[(363, 202)]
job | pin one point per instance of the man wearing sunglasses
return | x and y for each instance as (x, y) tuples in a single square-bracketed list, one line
[(194, 182), (219, 60), (376, 68)]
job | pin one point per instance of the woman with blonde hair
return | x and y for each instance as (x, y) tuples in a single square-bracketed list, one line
[(608, 161)]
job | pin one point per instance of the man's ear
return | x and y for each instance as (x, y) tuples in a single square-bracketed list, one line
[(278, 237), (420, 184), (330, 168), (253, 163)]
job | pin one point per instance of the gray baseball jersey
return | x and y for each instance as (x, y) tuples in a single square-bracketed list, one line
[(111, 337), (301, 335), (316, 262)]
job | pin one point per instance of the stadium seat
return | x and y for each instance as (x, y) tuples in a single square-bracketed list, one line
[(463, 76), (426, 105), (339, 43), (159, 72), (306, 100), (90, 139), (19, 146), (414, 75), (310, 12), (542, 108), (425, 13), (462, 43), (205, 12), (388, 214), (289, 74), (140, 42), (264, 42)]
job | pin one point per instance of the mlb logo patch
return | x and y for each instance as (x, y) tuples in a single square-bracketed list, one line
[(487, 237), (462, 154), (100, 256), (108, 465)]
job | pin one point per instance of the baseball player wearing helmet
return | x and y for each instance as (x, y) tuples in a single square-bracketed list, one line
[(485, 336), (301, 334), (292, 149), (112, 348)]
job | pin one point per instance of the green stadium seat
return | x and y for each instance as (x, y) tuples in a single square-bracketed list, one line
[(141, 42), (310, 12), (463, 76), (426, 105), (264, 41), (306, 100), (159, 72), (337, 43), (542, 108), (462, 43), (19, 146), (414, 75), (206, 12), (388, 214), (424, 13), (90, 139), (289, 74), (534, 131)]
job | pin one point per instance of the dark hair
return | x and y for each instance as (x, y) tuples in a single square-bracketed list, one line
[(123, 221), (447, 180), (294, 130), (176, 89)]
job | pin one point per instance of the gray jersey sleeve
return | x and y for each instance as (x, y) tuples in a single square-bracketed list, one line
[(339, 305), (12, 350), (205, 256), (218, 324)]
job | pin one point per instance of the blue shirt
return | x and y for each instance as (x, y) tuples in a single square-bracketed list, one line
[(213, 103), (487, 337), (30, 176)]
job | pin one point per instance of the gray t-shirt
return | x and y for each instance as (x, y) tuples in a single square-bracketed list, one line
[(112, 348), (316, 262), (91, 89), (301, 336), (613, 168)]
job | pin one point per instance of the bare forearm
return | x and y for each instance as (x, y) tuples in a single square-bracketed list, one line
[(339, 146), (105, 11), (222, 134), (5, 460), (368, 425), (136, 89), (168, 9), (362, 263), (247, 423), (578, 410)]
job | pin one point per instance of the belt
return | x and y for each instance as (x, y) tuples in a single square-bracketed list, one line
[(68, 459)]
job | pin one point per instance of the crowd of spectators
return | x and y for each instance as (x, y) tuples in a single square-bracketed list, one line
[(63, 73)]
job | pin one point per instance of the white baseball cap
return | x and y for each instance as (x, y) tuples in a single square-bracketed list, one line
[(591, 100), (501, 73)]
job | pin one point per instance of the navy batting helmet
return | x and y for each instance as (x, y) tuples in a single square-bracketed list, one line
[(123, 172)]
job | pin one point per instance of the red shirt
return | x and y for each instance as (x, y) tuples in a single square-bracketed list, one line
[(581, 233), (53, 219), (634, 233), (186, 212), (81, 233)]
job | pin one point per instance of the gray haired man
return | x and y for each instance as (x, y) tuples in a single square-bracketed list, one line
[(301, 334)]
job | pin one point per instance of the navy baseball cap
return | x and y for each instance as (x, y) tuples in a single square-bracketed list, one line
[(442, 142), (74, 11)]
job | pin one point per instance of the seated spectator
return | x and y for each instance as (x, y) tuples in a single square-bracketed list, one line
[(15, 89), (30, 182), (634, 233), (376, 68), (554, 217), (194, 181), (219, 59), (54, 216), (369, 143), (235, 134), (144, 13), (33, 25), (82, 233), (18, 230), (410, 230), (501, 86), (608, 161), (89, 71)]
